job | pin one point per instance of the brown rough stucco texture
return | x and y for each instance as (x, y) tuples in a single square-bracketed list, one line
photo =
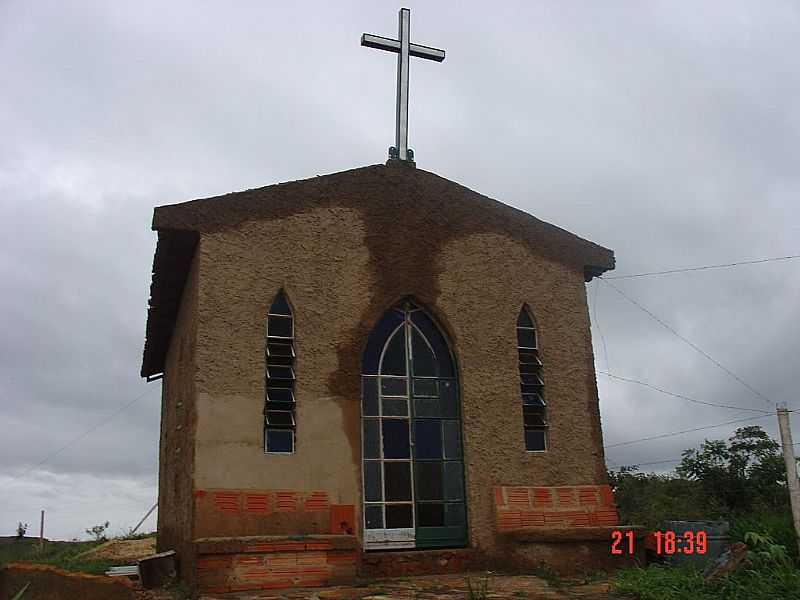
[(176, 452), (394, 201), (474, 285), (324, 271), (485, 280)]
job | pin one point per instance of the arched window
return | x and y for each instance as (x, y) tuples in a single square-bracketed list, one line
[(413, 470), (534, 408), (279, 423)]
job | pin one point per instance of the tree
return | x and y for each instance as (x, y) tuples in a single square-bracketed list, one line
[(99, 532), (22, 529), (740, 476)]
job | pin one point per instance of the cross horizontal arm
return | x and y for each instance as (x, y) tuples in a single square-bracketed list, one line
[(390, 45)]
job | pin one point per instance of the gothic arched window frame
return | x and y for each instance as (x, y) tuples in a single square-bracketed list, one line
[(412, 458)]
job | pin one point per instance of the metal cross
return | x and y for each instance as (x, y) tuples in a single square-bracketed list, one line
[(404, 49)]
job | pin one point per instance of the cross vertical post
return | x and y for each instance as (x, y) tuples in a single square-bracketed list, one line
[(405, 50), (401, 129)]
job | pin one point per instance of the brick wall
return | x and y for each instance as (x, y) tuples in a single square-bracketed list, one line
[(226, 513), (272, 539), (275, 565), (518, 507)]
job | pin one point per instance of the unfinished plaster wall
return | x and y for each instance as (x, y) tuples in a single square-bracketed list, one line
[(176, 458), (473, 283), (320, 260)]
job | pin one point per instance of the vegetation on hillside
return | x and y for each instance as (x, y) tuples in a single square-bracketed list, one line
[(64, 555), (742, 481)]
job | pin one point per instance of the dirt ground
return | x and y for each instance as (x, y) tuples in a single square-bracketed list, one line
[(123, 550), (439, 587)]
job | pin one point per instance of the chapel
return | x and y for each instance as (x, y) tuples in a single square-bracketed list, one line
[(374, 372)]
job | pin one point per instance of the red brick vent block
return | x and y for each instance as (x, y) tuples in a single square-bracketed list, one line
[(518, 507), (265, 502), (274, 562)]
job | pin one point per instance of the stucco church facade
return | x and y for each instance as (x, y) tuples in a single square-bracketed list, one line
[(373, 372)]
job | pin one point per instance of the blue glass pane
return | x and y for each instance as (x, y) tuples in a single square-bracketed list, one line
[(371, 439), (377, 340), (452, 439), (429, 481), (448, 391), (372, 481), (394, 357), (279, 326), (453, 481), (526, 338), (395, 407), (397, 480), (369, 396), (454, 514), (280, 306), (395, 438), (426, 387), (399, 516), (280, 440), (427, 439), (534, 439), (374, 516), (437, 341), (426, 407), (394, 386), (423, 361), (430, 515)]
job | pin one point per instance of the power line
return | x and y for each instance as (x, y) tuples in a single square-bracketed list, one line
[(84, 434), (668, 393), (666, 435), (656, 462), (691, 344), (704, 268), (597, 324)]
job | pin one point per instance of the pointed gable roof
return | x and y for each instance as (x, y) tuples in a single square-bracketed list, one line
[(382, 193)]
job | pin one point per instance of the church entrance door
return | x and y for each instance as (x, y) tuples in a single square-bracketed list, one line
[(413, 470)]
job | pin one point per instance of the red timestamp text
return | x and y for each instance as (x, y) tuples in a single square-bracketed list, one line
[(661, 542)]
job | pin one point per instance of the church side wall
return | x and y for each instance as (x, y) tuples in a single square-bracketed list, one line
[(319, 258), (177, 432), (339, 285)]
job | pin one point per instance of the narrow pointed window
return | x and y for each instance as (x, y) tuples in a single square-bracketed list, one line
[(279, 409), (531, 382)]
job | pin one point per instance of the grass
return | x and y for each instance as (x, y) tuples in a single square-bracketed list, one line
[(64, 555), (761, 582), (777, 525)]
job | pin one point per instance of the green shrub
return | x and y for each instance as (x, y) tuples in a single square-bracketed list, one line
[(776, 524)]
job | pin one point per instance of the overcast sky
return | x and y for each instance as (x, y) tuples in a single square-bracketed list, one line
[(667, 131)]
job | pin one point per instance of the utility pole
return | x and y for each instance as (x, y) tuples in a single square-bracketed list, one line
[(791, 467), (41, 532), (144, 518)]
